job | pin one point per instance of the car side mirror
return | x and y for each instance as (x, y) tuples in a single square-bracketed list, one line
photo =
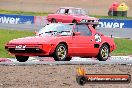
[(76, 33), (35, 32), (101, 34)]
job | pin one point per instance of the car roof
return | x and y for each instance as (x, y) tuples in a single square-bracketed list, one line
[(70, 8)]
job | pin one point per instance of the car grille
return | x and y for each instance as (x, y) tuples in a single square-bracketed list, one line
[(27, 50)]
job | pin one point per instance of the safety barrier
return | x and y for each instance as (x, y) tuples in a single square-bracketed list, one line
[(115, 23), (16, 19), (41, 20)]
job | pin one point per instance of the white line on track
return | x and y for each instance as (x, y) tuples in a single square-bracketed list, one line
[(74, 61)]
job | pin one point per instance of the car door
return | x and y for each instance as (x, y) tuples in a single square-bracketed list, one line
[(68, 18), (82, 44), (60, 15)]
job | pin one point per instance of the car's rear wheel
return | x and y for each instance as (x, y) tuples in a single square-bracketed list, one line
[(74, 21), (103, 53), (53, 21), (60, 53), (22, 58)]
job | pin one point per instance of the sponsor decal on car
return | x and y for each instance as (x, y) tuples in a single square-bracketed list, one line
[(20, 47), (97, 38)]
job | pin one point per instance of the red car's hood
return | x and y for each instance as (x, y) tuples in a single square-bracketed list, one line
[(32, 40), (86, 17)]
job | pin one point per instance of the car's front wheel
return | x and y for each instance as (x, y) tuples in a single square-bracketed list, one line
[(60, 53), (103, 53), (53, 21), (22, 58)]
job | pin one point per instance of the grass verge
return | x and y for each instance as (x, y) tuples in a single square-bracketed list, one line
[(111, 17), (23, 13), (6, 35), (123, 45), (45, 14)]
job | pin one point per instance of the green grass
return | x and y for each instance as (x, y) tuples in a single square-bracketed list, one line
[(124, 46), (45, 14), (6, 35), (111, 17)]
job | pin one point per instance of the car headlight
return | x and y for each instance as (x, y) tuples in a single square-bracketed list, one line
[(84, 20)]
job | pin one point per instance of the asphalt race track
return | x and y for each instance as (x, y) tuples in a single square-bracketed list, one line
[(75, 61), (116, 32)]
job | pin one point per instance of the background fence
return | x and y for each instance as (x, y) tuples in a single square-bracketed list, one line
[(16, 19), (41, 20), (115, 23)]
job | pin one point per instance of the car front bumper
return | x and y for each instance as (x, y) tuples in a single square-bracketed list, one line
[(29, 50)]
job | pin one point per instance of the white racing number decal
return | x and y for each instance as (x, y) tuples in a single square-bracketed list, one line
[(97, 38), (20, 47)]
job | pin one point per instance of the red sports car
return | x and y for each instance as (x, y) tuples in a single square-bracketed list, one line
[(70, 15), (62, 42)]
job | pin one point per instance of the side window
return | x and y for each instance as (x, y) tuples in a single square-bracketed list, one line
[(83, 29), (70, 11), (78, 11), (61, 11), (66, 11), (83, 12)]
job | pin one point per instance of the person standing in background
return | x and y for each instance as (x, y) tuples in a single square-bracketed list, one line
[(122, 10), (113, 9)]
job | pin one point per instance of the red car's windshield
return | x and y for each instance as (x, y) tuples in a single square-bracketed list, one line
[(56, 29), (77, 11), (74, 11)]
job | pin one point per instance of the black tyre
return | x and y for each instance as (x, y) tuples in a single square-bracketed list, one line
[(60, 53), (103, 53), (53, 21), (74, 21), (94, 26), (22, 58), (68, 58), (81, 80)]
